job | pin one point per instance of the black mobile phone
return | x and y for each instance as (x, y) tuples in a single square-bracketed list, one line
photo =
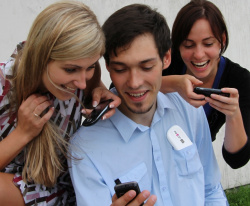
[(97, 113), (208, 91), (122, 188)]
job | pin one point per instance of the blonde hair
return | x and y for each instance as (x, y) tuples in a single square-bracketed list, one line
[(66, 30)]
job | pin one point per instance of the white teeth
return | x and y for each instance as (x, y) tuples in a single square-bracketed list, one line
[(72, 89), (201, 64), (137, 95)]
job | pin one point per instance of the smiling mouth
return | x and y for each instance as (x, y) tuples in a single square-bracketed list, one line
[(137, 95), (201, 64), (69, 88)]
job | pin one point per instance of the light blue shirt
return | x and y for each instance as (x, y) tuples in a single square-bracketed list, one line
[(118, 148)]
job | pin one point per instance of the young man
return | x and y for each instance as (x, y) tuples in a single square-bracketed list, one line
[(145, 140)]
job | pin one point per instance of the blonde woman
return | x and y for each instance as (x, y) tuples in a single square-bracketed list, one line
[(43, 86)]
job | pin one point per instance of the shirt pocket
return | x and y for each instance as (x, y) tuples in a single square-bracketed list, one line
[(139, 174), (187, 161)]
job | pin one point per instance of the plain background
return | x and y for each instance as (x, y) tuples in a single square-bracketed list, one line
[(16, 17)]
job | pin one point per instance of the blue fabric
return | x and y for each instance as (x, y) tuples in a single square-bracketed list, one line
[(217, 79), (118, 148)]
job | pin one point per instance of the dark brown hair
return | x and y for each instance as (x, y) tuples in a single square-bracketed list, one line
[(189, 14), (123, 26)]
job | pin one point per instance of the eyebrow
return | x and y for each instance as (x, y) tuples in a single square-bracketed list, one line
[(141, 62), (78, 66), (210, 37), (72, 65)]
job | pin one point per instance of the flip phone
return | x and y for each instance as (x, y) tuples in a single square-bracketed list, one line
[(97, 113)]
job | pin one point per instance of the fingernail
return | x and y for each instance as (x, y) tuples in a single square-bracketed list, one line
[(146, 194), (153, 198), (103, 117), (131, 193), (83, 111), (111, 106), (94, 103)]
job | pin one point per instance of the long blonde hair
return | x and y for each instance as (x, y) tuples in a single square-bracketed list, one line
[(66, 30)]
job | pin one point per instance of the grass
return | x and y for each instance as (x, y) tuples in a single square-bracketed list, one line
[(239, 196)]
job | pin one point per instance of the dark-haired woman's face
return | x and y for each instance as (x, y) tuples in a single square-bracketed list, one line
[(200, 51)]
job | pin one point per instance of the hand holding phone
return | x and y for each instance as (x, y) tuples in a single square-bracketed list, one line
[(97, 113), (208, 91), (122, 188)]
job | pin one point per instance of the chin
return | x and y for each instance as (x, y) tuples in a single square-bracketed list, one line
[(64, 97)]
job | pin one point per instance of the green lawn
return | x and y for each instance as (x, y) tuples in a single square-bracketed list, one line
[(239, 196)]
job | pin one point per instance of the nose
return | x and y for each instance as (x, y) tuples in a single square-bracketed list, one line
[(198, 52), (80, 81), (134, 79)]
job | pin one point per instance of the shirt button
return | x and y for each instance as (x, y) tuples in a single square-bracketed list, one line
[(163, 189)]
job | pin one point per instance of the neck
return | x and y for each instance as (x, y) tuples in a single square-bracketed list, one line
[(143, 118)]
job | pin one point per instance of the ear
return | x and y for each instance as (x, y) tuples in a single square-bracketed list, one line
[(224, 38), (167, 59), (107, 66)]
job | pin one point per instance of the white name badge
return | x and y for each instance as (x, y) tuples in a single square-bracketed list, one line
[(178, 138)]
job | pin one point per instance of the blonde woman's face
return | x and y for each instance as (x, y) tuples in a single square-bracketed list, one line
[(68, 76)]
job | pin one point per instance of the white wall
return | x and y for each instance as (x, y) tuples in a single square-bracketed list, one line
[(16, 17)]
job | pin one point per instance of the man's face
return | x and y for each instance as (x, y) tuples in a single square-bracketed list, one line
[(137, 74)]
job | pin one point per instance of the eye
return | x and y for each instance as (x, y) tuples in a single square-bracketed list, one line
[(147, 68), (91, 67), (188, 46), (119, 70), (209, 44), (69, 70)]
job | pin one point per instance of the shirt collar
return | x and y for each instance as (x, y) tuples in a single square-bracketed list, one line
[(126, 127)]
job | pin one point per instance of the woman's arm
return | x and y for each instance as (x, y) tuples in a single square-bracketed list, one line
[(28, 127), (184, 85), (235, 134)]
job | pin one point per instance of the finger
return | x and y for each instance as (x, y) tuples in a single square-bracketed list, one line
[(41, 107), (114, 197), (110, 113), (151, 200), (222, 99), (141, 198), (195, 96), (125, 199), (102, 93), (85, 112), (232, 91), (197, 103), (195, 81), (33, 101), (216, 101), (46, 117), (228, 109), (97, 96)]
